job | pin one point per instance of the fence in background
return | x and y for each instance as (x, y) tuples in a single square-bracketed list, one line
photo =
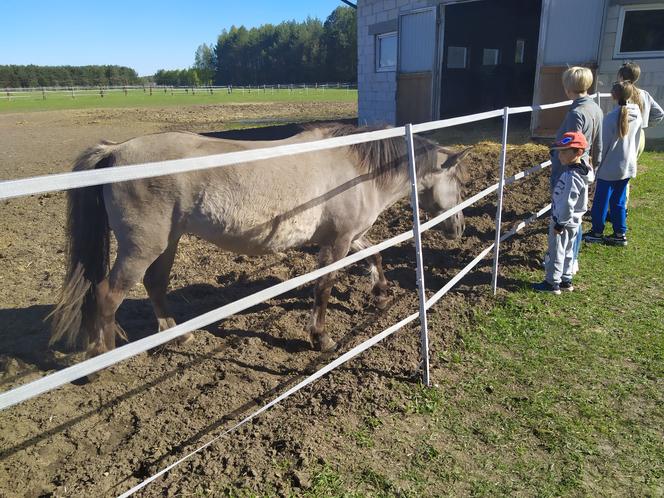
[(49, 183), (100, 91)]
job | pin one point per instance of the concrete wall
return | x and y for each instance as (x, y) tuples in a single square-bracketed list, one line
[(652, 69)]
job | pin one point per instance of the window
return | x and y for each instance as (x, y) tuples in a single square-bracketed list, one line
[(519, 54), (386, 52), (490, 57), (457, 57), (640, 31)]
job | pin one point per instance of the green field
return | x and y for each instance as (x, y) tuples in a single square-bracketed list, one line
[(35, 101)]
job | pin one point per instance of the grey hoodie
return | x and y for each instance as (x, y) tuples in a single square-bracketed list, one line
[(570, 195), (619, 161), (652, 113), (584, 115)]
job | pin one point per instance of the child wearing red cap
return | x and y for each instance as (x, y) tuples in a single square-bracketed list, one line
[(569, 202)]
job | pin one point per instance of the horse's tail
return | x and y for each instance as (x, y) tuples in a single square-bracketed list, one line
[(87, 253)]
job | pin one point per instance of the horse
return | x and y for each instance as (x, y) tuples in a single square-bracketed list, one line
[(327, 198)]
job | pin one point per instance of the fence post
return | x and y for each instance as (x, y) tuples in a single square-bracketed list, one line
[(499, 208), (424, 333)]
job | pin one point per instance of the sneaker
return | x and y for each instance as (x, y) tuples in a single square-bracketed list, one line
[(566, 286), (592, 237), (545, 286), (617, 239)]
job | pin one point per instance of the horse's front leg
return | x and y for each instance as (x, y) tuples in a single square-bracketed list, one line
[(378, 280), (320, 339)]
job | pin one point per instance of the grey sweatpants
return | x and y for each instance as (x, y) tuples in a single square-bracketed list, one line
[(561, 254)]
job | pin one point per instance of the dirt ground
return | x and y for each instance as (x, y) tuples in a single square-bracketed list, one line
[(102, 437)]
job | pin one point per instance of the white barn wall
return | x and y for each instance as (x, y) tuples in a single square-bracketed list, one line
[(652, 70), (377, 90)]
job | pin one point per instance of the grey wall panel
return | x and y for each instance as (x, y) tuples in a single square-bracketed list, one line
[(417, 41), (573, 31)]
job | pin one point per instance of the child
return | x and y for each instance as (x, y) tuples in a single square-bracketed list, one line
[(651, 112), (584, 115), (568, 204), (621, 138)]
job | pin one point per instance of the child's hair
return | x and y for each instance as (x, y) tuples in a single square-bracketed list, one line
[(631, 72), (577, 79), (623, 91)]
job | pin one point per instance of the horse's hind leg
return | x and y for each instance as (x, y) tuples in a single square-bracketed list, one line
[(126, 272), (328, 254), (156, 284), (378, 280)]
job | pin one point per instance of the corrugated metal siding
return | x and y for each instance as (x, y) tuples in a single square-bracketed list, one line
[(573, 31), (417, 43)]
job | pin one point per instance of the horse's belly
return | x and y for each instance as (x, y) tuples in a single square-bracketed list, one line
[(254, 238)]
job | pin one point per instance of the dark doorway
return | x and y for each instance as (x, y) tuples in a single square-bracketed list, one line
[(490, 55)]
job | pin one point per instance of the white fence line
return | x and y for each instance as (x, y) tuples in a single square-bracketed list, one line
[(352, 353), (87, 367), (16, 188)]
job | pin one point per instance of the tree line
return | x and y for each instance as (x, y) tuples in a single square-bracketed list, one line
[(30, 76), (289, 52)]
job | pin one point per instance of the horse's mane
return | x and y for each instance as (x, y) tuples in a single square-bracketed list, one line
[(387, 159)]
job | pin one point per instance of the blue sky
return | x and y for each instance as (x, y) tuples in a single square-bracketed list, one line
[(146, 35)]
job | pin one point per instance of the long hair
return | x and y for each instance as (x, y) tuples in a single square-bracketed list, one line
[(622, 91), (631, 72)]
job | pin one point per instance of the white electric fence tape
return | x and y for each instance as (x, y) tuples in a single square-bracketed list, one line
[(343, 358), (49, 183), (69, 374), (315, 376)]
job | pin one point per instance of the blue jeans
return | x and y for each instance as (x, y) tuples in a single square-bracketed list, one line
[(610, 194)]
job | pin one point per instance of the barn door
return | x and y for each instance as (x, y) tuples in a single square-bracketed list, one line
[(417, 51), (570, 40), (490, 55)]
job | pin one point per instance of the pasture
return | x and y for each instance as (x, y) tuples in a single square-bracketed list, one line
[(534, 395), (116, 98)]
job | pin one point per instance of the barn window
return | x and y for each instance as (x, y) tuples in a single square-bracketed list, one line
[(490, 57), (640, 31), (519, 53), (386, 52), (457, 57)]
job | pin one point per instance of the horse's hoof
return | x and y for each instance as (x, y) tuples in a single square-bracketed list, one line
[(381, 302), (184, 339), (323, 343)]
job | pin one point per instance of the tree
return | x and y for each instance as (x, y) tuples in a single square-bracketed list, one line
[(205, 63)]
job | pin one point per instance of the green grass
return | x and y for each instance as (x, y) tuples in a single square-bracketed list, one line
[(159, 98), (549, 395)]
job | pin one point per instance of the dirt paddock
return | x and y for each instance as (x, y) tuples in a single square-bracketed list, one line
[(100, 438)]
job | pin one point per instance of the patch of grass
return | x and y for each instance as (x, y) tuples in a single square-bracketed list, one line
[(137, 98), (424, 400)]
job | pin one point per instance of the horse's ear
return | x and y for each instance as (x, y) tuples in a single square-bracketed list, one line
[(454, 158)]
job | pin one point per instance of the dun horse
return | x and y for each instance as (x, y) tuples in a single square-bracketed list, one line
[(328, 198)]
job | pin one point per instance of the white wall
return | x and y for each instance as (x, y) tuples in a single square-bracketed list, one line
[(652, 70)]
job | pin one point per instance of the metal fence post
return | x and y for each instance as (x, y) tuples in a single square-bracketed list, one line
[(499, 208), (424, 334)]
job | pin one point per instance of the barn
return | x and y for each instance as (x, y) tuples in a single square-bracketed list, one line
[(421, 60)]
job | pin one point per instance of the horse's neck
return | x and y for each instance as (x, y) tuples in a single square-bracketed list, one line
[(394, 190)]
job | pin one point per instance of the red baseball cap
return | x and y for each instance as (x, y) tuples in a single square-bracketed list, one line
[(571, 140)]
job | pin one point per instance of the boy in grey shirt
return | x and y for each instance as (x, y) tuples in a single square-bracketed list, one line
[(584, 115), (569, 202)]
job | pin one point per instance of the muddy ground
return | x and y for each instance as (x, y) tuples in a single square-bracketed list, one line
[(100, 438)]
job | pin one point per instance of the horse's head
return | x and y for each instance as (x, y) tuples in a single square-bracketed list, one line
[(441, 189)]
